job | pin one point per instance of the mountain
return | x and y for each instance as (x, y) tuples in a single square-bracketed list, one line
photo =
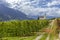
[(10, 14)]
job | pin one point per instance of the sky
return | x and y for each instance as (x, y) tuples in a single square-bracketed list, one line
[(35, 7)]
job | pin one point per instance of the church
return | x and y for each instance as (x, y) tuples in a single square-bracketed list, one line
[(42, 17)]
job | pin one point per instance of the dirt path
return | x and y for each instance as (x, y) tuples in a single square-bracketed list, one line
[(40, 36), (59, 35), (50, 26), (47, 37)]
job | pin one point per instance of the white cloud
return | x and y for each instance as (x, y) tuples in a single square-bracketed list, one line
[(12, 1), (37, 11), (28, 7), (54, 2)]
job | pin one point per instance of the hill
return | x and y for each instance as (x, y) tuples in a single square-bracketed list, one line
[(11, 14)]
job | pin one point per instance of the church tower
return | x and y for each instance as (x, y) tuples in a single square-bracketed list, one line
[(45, 16)]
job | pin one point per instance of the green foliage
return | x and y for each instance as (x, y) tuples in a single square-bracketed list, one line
[(21, 28), (19, 38)]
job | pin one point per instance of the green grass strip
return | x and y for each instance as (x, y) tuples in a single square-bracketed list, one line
[(44, 37)]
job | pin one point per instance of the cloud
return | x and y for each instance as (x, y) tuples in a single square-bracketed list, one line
[(1, 1), (36, 7), (41, 11), (54, 2), (12, 1)]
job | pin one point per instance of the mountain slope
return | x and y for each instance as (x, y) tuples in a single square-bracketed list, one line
[(9, 14)]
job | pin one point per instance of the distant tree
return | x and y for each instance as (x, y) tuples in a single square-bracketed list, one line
[(38, 17)]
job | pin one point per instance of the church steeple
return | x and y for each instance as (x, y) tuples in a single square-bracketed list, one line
[(45, 16)]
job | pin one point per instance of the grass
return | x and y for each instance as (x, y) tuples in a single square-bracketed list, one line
[(19, 38), (44, 37)]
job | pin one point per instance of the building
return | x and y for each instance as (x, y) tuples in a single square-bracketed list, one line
[(42, 17)]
